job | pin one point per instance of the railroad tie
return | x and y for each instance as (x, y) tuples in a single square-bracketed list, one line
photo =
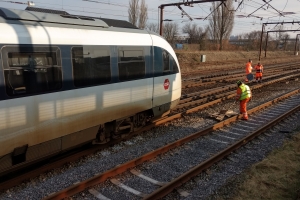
[(139, 174), (129, 189), (97, 194)]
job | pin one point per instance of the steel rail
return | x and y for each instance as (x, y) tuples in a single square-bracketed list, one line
[(188, 97), (72, 190), (222, 96), (234, 70), (226, 76), (17, 180), (169, 187), (222, 78)]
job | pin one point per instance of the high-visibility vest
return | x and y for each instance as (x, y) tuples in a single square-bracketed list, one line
[(246, 93), (248, 68), (258, 68)]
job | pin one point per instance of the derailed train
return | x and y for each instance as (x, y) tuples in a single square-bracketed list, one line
[(66, 80)]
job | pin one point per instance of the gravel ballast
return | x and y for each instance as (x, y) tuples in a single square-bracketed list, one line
[(61, 178)]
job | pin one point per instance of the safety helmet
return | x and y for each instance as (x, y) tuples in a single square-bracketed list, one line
[(239, 82)]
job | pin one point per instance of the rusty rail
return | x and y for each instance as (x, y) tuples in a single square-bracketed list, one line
[(12, 182), (169, 187), (124, 167), (222, 96)]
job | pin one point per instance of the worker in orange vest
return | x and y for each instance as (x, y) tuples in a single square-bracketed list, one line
[(259, 70), (243, 95), (248, 69)]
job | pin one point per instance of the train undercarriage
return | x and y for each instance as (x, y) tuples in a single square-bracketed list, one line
[(121, 128)]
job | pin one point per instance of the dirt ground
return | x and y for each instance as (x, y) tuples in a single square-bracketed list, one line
[(191, 60)]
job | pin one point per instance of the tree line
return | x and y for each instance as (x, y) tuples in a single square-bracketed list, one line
[(214, 36)]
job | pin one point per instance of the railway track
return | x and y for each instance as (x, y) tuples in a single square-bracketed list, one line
[(224, 81), (207, 74), (230, 77), (154, 179), (197, 99), (189, 109), (11, 182)]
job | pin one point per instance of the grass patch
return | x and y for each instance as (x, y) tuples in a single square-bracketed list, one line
[(276, 177)]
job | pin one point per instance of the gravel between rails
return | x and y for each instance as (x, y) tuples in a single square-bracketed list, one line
[(219, 181), (172, 164), (85, 168)]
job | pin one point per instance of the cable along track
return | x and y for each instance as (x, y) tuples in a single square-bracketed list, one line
[(174, 164)]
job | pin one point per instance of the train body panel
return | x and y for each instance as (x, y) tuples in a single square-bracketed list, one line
[(62, 85), (36, 119), (30, 34), (172, 82)]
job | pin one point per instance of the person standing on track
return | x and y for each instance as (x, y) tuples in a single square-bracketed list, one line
[(259, 70), (248, 69), (243, 94)]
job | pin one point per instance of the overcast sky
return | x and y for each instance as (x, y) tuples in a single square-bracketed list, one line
[(118, 9)]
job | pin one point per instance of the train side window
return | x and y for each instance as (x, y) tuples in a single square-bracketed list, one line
[(91, 65), (131, 64), (31, 70), (166, 61), (174, 65)]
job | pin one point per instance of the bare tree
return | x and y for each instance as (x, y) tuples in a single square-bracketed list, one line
[(152, 27), (196, 34), (192, 31), (133, 11), (221, 22), (170, 31), (143, 15), (280, 37), (251, 41)]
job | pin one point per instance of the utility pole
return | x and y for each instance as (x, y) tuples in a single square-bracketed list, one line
[(186, 3), (273, 32), (263, 29), (261, 37), (296, 44)]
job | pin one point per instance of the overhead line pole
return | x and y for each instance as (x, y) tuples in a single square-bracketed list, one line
[(296, 44), (162, 6), (262, 31), (273, 32), (185, 13), (261, 38)]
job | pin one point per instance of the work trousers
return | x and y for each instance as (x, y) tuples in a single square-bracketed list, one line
[(243, 108), (258, 76), (246, 79)]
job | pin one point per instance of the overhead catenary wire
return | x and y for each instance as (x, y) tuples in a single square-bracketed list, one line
[(114, 4), (121, 13)]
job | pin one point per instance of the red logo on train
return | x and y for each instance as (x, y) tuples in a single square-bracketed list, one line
[(166, 84)]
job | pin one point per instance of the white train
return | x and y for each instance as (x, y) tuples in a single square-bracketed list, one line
[(68, 80)]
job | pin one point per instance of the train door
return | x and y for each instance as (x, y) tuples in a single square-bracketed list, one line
[(164, 79)]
